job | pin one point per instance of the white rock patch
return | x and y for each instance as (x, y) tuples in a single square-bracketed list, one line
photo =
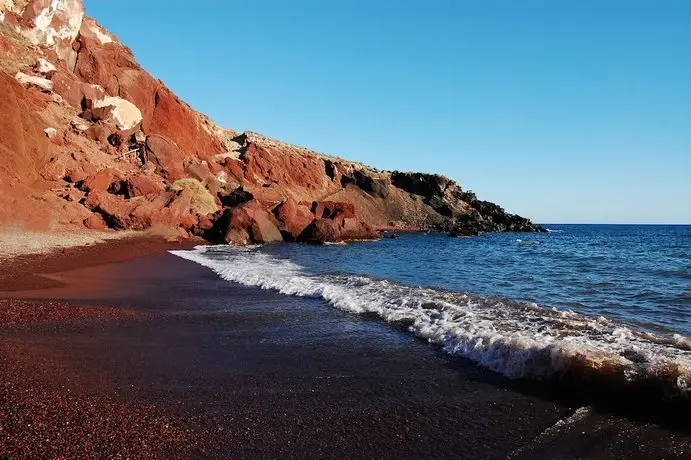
[(44, 67), (59, 21), (29, 80), (50, 132), (102, 36), (123, 113)]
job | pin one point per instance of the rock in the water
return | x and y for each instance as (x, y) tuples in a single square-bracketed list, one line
[(246, 224), (322, 231), (293, 218)]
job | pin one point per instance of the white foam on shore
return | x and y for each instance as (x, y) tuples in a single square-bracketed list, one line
[(516, 340)]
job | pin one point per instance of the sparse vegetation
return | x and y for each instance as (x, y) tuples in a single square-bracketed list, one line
[(202, 200)]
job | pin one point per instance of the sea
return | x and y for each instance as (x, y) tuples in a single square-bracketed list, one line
[(604, 303)]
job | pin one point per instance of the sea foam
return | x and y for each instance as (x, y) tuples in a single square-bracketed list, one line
[(518, 340)]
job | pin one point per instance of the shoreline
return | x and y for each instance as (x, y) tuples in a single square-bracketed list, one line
[(302, 377), (26, 270)]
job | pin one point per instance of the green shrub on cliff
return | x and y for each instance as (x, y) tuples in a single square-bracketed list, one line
[(202, 200)]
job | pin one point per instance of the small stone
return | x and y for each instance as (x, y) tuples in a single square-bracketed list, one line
[(50, 132), (80, 124), (45, 67)]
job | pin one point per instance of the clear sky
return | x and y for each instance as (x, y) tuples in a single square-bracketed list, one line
[(562, 111)]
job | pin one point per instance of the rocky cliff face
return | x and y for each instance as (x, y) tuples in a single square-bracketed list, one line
[(91, 139)]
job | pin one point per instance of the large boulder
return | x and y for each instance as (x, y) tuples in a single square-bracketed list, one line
[(356, 230), (246, 224), (166, 156), (293, 218), (202, 201), (333, 210), (102, 180), (323, 231), (143, 186), (29, 81), (124, 114), (169, 209)]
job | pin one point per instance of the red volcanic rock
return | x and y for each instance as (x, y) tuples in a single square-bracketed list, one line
[(200, 170), (102, 180), (337, 231), (68, 87), (91, 93), (99, 64), (95, 222), (54, 170), (177, 121), (322, 231), (80, 172), (248, 223), (333, 210), (22, 142), (76, 93), (166, 155), (114, 68), (293, 217), (115, 209), (166, 115), (300, 173), (142, 186), (169, 209), (353, 229), (100, 132)]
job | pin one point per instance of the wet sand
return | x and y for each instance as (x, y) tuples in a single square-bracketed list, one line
[(158, 357)]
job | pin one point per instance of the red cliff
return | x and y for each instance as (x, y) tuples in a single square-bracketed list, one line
[(90, 139)]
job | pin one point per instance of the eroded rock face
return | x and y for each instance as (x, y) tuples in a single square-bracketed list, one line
[(23, 148), (120, 141), (166, 155)]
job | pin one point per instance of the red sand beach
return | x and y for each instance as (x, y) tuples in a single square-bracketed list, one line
[(126, 350)]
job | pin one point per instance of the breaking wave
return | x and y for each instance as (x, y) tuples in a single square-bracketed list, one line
[(518, 340)]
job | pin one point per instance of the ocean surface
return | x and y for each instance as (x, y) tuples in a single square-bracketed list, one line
[(608, 302)]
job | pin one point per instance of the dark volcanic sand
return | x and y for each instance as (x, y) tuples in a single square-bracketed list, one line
[(202, 367)]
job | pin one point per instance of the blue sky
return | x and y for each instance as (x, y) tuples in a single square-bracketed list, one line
[(563, 111)]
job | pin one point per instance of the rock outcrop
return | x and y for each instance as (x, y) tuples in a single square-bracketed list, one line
[(90, 139)]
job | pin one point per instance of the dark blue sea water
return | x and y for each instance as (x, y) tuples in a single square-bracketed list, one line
[(609, 300), (638, 274)]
